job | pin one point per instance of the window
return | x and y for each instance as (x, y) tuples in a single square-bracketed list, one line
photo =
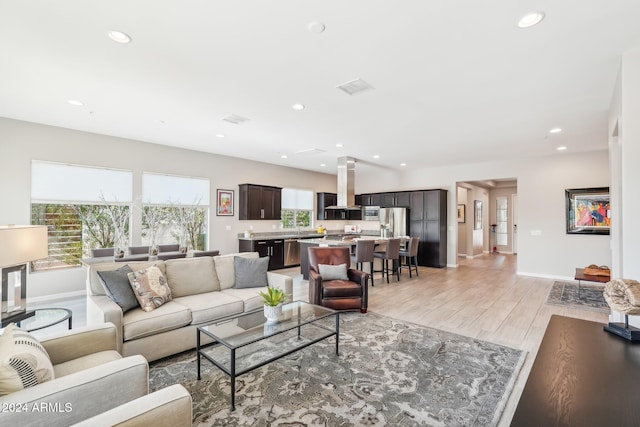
[(83, 207), (501, 217), (297, 208), (175, 210)]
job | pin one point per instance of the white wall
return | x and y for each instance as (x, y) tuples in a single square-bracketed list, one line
[(541, 185), (21, 142), (464, 226)]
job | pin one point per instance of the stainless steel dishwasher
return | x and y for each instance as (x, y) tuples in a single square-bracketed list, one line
[(291, 252)]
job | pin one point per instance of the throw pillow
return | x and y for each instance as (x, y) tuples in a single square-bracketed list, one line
[(150, 288), (333, 272), (251, 272), (116, 284), (24, 362)]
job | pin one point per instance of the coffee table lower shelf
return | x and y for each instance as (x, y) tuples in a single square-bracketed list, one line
[(261, 343)]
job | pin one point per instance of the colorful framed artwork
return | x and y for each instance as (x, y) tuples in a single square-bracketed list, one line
[(461, 213), (477, 215), (588, 210), (225, 203)]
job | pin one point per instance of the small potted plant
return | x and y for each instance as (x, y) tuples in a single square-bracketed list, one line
[(273, 299)]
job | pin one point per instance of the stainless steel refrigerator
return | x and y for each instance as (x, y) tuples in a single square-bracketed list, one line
[(394, 222)]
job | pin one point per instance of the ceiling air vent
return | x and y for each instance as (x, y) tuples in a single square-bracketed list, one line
[(235, 119), (355, 87), (310, 152)]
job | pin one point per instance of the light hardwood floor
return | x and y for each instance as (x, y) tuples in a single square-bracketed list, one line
[(483, 298)]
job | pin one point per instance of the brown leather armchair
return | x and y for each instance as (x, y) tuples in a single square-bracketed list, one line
[(337, 294)]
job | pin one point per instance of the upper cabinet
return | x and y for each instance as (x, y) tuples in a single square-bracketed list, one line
[(392, 200), (331, 199), (368, 199), (259, 202)]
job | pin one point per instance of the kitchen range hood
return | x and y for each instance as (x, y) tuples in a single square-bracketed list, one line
[(346, 184)]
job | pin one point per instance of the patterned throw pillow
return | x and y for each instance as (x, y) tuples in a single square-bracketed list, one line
[(150, 288), (24, 362)]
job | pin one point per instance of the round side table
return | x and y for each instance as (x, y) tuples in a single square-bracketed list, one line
[(45, 317)]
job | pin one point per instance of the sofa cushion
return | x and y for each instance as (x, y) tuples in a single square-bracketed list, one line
[(116, 284), (210, 306), (24, 362), (150, 287), (333, 272), (250, 272), (249, 296), (191, 276), (85, 362), (169, 316), (226, 270)]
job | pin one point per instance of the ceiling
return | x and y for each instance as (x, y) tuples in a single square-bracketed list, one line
[(455, 81)]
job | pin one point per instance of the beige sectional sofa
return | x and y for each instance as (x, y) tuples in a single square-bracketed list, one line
[(203, 291)]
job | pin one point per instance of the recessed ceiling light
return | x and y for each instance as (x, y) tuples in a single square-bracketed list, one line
[(298, 107), (119, 36), (284, 156), (219, 135), (561, 148), (339, 145), (403, 164), (322, 165), (316, 27), (376, 156), (555, 130), (530, 19), (75, 102)]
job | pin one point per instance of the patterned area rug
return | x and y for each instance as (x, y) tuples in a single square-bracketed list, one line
[(566, 294), (389, 372)]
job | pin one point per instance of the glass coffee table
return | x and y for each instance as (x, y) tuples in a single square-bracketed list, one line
[(45, 317), (247, 341)]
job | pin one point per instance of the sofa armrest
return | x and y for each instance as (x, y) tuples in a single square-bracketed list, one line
[(70, 345), (277, 280), (101, 309), (76, 397), (168, 407)]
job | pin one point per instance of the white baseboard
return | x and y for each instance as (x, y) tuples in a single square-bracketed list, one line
[(452, 265), (475, 256), (545, 276), (55, 297)]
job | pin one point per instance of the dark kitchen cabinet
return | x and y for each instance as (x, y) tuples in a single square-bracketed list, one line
[(428, 221), (323, 200), (368, 199), (259, 202), (273, 248), (400, 199), (331, 199)]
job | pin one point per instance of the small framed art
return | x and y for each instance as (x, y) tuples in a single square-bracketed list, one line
[(224, 203), (461, 213)]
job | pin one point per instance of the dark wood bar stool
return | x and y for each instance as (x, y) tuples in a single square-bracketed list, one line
[(410, 255), (392, 253), (364, 253)]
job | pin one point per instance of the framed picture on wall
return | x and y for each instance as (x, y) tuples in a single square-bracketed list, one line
[(461, 213), (477, 214), (224, 203), (588, 210)]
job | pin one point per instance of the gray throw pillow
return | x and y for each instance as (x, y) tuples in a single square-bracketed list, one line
[(118, 288), (251, 272), (333, 272)]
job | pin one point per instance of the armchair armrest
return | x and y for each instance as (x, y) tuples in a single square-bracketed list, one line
[(67, 346), (315, 287), (170, 407), (358, 276), (101, 309), (78, 396), (277, 280)]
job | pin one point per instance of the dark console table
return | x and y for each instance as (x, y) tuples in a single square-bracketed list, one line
[(582, 376)]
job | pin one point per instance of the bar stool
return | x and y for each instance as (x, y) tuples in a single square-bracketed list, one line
[(410, 255), (391, 253), (364, 253)]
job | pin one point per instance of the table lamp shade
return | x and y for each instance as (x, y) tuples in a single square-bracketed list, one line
[(20, 244)]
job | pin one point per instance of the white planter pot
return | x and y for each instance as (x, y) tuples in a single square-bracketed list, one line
[(273, 314)]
